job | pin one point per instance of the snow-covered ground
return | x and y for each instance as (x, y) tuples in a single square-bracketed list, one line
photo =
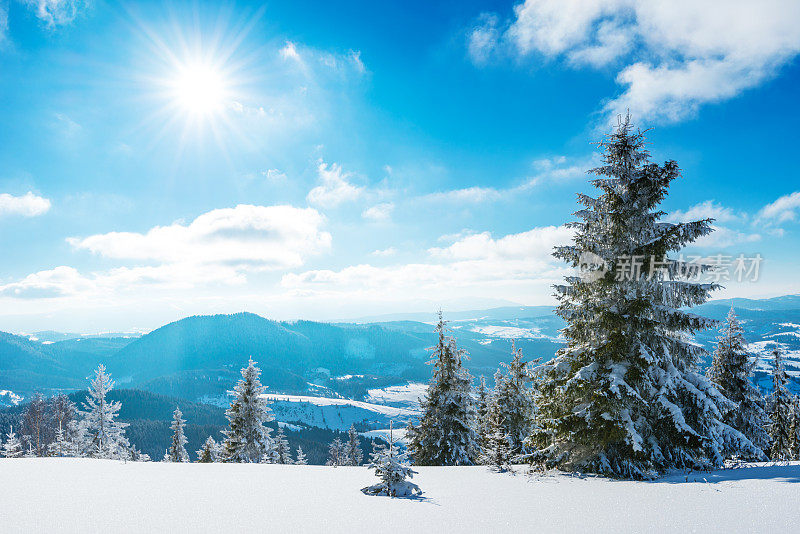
[(404, 395), (335, 414), (78, 495)]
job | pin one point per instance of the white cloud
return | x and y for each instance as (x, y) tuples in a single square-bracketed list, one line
[(379, 212), (482, 40), (705, 210), (253, 237), (27, 205), (468, 195), (220, 246), (477, 265), (384, 253), (782, 210), (672, 57), (334, 189), (289, 52), (274, 175), (3, 24), (558, 169), (535, 244), (57, 12), (723, 237)]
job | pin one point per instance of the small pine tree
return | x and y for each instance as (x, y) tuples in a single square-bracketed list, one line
[(301, 457), (337, 454), (794, 429), (731, 371), (779, 406), (12, 448), (102, 436), (514, 401), (135, 455), (353, 454), (391, 467), (445, 434), (60, 446), (209, 452), (177, 448), (247, 439), (282, 452), (497, 450)]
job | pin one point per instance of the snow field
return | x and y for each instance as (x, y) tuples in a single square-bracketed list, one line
[(82, 495)]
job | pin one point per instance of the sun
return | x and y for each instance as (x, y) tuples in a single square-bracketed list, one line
[(199, 89)]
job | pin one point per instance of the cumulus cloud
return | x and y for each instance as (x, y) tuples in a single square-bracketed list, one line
[(274, 175), (723, 237), (507, 267), (335, 187), (256, 237), (379, 212), (671, 57), (220, 246), (27, 205), (782, 210)]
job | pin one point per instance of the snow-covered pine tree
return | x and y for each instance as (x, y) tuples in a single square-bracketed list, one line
[(177, 448), (391, 467), (12, 448), (353, 454), (208, 453), (446, 432), (337, 454), (300, 459), (731, 371), (513, 399), (135, 455), (624, 397), (60, 446), (496, 451), (794, 428), (283, 454), (779, 406), (102, 436), (247, 439)]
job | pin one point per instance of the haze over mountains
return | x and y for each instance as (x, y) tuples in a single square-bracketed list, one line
[(198, 358)]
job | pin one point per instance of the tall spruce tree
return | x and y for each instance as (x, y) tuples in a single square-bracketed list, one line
[(353, 453), (101, 435), (624, 397), (780, 402), (731, 371), (513, 399), (177, 448), (247, 440), (446, 432)]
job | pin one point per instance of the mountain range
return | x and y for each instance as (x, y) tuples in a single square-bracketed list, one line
[(198, 358)]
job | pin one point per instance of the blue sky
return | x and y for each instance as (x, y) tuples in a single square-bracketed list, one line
[(306, 159)]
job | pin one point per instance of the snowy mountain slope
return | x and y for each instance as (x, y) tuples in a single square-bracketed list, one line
[(336, 414), (49, 495)]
